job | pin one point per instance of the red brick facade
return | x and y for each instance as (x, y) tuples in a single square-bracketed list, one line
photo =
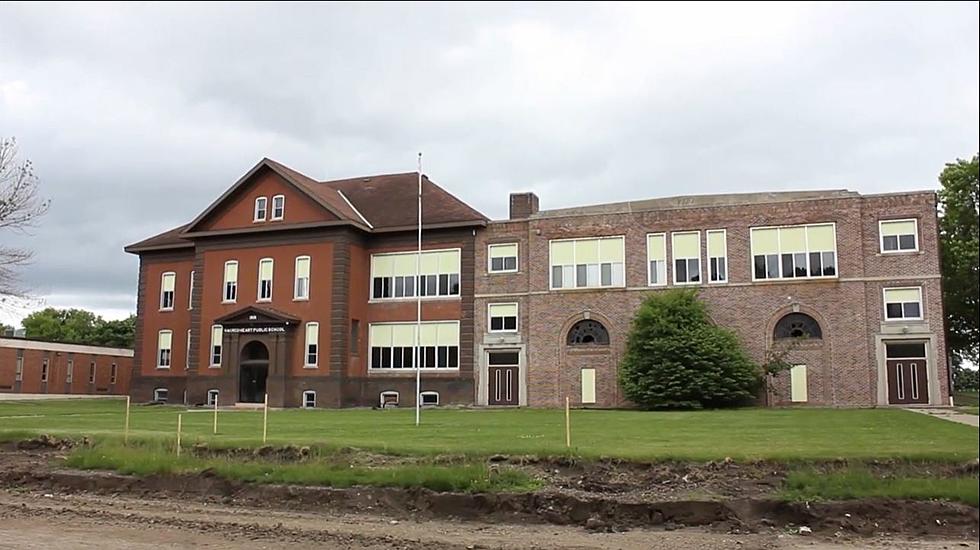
[(33, 366), (844, 368)]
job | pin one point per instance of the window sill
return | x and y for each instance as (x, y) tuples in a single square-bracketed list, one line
[(725, 282), (904, 320), (511, 271), (310, 367), (797, 279), (694, 283), (515, 331), (900, 253), (229, 301), (214, 366), (158, 368), (307, 299), (587, 288), (410, 372), (453, 297), (166, 309), (263, 300)]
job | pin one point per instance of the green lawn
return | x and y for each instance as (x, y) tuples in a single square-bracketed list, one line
[(744, 434), (857, 483), (967, 401)]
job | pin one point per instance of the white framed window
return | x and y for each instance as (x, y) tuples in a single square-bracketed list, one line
[(187, 352), (685, 248), (393, 345), (190, 291), (91, 372), (389, 398), (797, 384), (113, 373), (794, 251), (213, 397), (312, 344), (69, 371), (656, 259), (903, 303), (899, 235), (587, 263), (230, 282), (44, 370), (19, 369), (717, 255), (301, 286), (393, 275), (309, 399), (261, 209), (502, 258), (278, 207), (164, 348), (160, 395), (266, 267), (216, 334), (502, 317), (429, 398), (167, 282)]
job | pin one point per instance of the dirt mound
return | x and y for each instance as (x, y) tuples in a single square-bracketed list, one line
[(45, 441), (287, 453)]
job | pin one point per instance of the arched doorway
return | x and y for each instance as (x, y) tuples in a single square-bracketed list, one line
[(253, 372)]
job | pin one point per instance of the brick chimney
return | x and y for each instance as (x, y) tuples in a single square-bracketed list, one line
[(523, 205)]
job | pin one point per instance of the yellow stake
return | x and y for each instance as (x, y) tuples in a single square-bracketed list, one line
[(180, 419), (568, 424), (126, 425), (216, 415), (265, 418)]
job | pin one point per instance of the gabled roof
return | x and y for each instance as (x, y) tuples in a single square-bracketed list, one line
[(380, 203)]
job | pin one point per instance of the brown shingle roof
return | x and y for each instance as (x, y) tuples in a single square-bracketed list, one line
[(374, 203)]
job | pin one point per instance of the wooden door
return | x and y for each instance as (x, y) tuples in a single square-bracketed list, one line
[(503, 386), (908, 381)]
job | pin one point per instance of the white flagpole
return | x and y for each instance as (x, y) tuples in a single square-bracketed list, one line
[(418, 309)]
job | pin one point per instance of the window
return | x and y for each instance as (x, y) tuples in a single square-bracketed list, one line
[(588, 333), (899, 235), (797, 384), (113, 373), (167, 282), (19, 369), (657, 259), (686, 250), (187, 352), (309, 399), (278, 207), (429, 398), (797, 325), (503, 317), (261, 208), (587, 263), (355, 337), (905, 350), (91, 372), (265, 280), (903, 303), (802, 251), (164, 342), (393, 345), (69, 371), (231, 281), (503, 258), (44, 370), (312, 344), (389, 399), (160, 395), (212, 398), (717, 255), (393, 275), (216, 335), (190, 291), (301, 288)]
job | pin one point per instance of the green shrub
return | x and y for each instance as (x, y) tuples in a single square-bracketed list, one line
[(677, 358)]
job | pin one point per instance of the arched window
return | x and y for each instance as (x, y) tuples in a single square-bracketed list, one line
[(588, 333), (798, 325)]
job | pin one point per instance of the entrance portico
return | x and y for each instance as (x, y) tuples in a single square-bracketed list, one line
[(258, 341)]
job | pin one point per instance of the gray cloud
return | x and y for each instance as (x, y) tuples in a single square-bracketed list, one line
[(138, 116)]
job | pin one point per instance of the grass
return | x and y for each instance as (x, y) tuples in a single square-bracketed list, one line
[(858, 483), (157, 459), (967, 401), (799, 434)]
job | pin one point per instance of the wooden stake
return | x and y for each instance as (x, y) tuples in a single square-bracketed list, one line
[(180, 419), (265, 419), (216, 415), (126, 425), (568, 424)]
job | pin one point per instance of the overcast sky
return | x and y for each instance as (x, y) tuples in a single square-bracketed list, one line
[(137, 116)]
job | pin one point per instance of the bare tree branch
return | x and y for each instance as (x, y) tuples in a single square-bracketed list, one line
[(20, 207)]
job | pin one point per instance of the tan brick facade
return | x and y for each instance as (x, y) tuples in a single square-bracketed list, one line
[(844, 368)]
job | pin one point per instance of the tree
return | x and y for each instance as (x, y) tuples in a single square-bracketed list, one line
[(677, 358), (20, 206), (119, 334), (965, 378), (959, 231), (80, 326)]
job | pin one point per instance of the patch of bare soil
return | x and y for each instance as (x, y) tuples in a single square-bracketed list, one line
[(604, 496)]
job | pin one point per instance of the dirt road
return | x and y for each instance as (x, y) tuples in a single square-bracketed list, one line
[(29, 519)]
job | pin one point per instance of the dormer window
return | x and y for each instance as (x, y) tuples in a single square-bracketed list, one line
[(278, 207), (261, 209)]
